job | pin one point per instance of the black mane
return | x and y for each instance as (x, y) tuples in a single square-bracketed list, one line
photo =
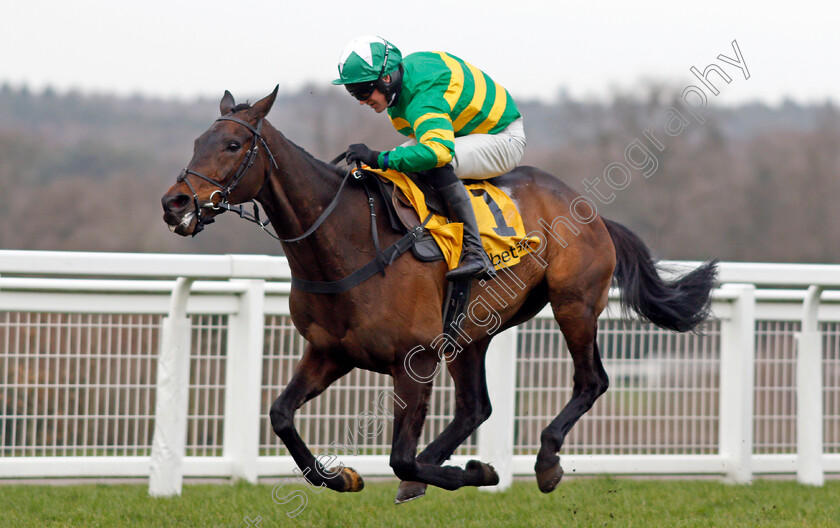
[(341, 171), (338, 170)]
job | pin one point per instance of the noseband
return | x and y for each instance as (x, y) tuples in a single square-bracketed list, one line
[(224, 190)]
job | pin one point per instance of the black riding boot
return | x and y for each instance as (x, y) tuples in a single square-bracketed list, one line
[(474, 261)]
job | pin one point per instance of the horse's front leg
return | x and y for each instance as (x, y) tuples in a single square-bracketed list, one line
[(316, 371), (408, 424)]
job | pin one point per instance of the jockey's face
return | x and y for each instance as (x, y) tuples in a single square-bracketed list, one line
[(376, 101)]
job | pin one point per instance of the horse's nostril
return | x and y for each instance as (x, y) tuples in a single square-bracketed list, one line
[(181, 201), (176, 203)]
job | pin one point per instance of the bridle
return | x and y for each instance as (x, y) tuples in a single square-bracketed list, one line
[(224, 190), (378, 264)]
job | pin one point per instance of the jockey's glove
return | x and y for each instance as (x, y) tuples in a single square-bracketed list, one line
[(360, 152)]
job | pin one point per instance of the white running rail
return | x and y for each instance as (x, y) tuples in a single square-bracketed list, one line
[(164, 366)]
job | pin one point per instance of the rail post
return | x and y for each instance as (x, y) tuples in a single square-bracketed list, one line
[(244, 380), (495, 436), (173, 371), (809, 394), (737, 381)]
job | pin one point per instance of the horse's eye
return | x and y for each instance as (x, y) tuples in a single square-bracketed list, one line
[(233, 146)]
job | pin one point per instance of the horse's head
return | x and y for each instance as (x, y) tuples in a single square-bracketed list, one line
[(230, 164)]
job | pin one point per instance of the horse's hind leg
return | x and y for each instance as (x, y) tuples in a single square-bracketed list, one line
[(315, 372), (590, 381), (472, 408)]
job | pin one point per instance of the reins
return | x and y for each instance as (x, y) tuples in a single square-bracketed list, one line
[(225, 190), (376, 265)]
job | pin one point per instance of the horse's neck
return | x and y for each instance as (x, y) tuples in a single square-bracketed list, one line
[(294, 197)]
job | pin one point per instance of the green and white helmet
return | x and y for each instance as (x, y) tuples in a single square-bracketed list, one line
[(367, 58)]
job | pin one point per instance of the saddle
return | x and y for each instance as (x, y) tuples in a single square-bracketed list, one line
[(413, 234), (403, 217)]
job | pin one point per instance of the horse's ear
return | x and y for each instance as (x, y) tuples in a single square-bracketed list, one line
[(227, 104), (261, 107)]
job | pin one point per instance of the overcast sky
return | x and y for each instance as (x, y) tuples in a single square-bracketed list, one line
[(534, 48)]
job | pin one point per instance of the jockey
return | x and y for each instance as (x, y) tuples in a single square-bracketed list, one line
[(463, 124)]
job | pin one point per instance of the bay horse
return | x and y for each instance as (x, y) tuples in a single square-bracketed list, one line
[(388, 323)]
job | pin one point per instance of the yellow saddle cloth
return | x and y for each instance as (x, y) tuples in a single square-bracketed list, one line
[(499, 222)]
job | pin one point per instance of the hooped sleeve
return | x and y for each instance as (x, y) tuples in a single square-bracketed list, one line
[(429, 119)]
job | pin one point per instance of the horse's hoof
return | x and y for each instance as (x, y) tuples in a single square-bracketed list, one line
[(409, 490), (549, 478), (480, 474), (352, 480)]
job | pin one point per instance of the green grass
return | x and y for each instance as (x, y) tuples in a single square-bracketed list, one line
[(577, 502)]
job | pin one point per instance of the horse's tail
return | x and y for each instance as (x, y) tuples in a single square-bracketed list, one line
[(679, 305)]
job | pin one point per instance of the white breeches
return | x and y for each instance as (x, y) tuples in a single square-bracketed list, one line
[(483, 156)]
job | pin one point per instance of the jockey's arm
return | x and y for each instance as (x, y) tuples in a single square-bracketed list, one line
[(432, 126)]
